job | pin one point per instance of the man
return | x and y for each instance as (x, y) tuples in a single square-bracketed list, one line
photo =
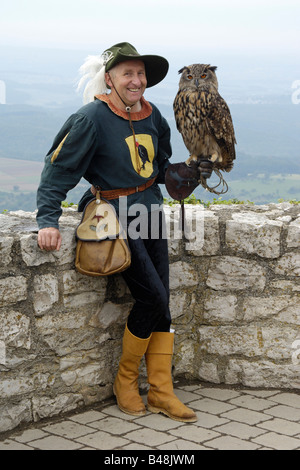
[(119, 141)]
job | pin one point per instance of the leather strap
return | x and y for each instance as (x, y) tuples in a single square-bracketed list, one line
[(116, 193)]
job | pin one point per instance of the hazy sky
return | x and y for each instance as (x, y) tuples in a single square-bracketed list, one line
[(252, 26)]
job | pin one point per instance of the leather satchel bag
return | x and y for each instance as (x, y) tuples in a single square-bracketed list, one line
[(102, 247)]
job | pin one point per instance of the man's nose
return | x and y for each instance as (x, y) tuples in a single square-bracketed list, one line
[(136, 79)]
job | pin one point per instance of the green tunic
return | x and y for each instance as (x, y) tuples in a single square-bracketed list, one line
[(97, 143)]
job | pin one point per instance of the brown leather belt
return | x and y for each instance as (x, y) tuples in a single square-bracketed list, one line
[(116, 193)]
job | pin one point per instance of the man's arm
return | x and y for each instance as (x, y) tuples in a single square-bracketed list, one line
[(65, 164)]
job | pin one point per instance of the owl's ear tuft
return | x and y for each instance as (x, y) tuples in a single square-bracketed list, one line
[(213, 68), (183, 68)]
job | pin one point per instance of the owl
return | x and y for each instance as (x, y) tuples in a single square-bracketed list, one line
[(203, 117)]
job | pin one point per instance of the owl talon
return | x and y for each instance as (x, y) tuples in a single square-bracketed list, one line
[(206, 168), (192, 159)]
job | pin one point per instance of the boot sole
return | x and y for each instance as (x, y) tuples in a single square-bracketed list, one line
[(128, 412), (156, 410)]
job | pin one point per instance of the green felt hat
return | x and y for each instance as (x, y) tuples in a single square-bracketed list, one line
[(156, 66)]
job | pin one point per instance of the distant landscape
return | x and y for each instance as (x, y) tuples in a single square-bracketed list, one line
[(266, 121)]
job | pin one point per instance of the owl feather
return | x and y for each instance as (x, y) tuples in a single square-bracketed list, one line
[(203, 117)]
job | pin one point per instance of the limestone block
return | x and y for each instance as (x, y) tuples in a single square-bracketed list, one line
[(33, 256), (66, 332), (293, 236), (184, 357), (46, 407), (182, 275), (87, 375), (12, 387), (282, 308), (74, 282), (45, 289), (50, 324), (12, 290), (31, 253), (5, 250), (230, 273), (250, 341), (277, 342), (286, 286), (8, 222), (254, 233), (220, 308), (15, 329), (207, 237), (263, 373), (110, 314), (178, 304), (208, 372), (288, 264), (13, 415), (80, 290), (227, 340)]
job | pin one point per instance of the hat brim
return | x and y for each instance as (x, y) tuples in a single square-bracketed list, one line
[(156, 66)]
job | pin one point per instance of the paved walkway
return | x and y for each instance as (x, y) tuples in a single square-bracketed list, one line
[(228, 419)]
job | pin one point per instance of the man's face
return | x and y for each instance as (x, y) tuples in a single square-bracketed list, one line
[(129, 78)]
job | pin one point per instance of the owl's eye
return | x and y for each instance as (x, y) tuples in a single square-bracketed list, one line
[(190, 77), (203, 75)]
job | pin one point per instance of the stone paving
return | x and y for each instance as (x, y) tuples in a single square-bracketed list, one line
[(228, 419)]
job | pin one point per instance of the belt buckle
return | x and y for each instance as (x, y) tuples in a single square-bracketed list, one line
[(136, 189)]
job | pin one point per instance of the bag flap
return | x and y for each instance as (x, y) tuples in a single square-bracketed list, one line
[(99, 222)]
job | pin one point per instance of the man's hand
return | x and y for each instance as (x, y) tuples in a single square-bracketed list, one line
[(49, 239)]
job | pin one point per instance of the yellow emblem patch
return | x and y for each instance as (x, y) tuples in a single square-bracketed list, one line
[(142, 155)]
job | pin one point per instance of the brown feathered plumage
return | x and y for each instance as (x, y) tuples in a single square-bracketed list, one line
[(203, 117)]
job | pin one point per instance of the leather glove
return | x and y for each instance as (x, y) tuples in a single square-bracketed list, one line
[(182, 180)]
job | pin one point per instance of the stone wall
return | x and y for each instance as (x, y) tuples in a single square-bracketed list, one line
[(235, 301)]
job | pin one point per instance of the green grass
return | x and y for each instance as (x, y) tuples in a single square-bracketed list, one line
[(195, 201)]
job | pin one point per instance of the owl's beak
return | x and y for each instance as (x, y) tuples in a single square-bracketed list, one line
[(197, 82)]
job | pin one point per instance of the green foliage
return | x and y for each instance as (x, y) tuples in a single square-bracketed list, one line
[(291, 201), (192, 199), (67, 204)]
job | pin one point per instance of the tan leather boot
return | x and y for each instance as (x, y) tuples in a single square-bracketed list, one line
[(126, 387), (161, 397)]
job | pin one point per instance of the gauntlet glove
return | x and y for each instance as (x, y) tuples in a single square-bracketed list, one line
[(181, 179)]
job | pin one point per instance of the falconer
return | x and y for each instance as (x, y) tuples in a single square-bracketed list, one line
[(120, 142)]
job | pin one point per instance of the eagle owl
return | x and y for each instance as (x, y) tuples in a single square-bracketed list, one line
[(203, 117)]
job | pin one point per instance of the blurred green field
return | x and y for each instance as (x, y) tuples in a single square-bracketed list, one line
[(263, 188)]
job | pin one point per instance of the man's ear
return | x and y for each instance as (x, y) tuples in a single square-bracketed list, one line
[(108, 80)]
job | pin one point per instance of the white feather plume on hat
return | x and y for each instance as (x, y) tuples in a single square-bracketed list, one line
[(93, 70)]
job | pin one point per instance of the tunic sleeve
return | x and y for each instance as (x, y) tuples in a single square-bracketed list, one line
[(65, 164), (164, 148)]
